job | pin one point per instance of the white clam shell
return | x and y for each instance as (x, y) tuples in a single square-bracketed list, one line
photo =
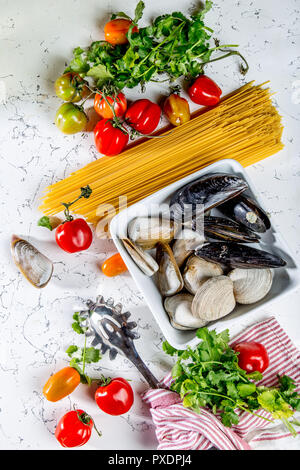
[(186, 242), (35, 266), (179, 309), (147, 231), (143, 260), (251, 285), (214, 299), (198, 270)]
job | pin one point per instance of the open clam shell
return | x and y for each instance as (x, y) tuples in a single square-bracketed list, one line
[(186, 242), (35, 266), (179, 309), (170, 281), (143, 260), (214, 299), (147, 231), (205, 193), (251, 285), (198, 270), (236, 255), (246, 211)]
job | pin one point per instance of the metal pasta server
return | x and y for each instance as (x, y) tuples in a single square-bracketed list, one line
[(112, 332)]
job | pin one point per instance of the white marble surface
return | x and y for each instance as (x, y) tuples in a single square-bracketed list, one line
[(36, 40)]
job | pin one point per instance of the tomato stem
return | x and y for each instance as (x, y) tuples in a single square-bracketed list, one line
[(86, 191), (85, 418)]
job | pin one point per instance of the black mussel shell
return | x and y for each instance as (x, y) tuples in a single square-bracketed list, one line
[(219, 228), (209, 191), (246, 211), (236, 255)]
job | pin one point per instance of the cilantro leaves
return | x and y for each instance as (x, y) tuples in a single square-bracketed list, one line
[(82, 356), (209, 376), (173, 45)]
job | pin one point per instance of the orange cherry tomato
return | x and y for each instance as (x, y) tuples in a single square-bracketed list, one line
[(115, 31), (61, 384), (177, 109), (114, 266), (119, 104)]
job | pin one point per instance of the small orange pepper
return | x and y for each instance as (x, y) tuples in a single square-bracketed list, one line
[(114, 266), (61, 384)]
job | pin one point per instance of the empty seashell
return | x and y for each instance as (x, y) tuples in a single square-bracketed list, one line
[(214, 299), (179, 310), (250, 285), (35, 266), (169, 277), (143, 260), (198, 270), (186, 242), (147, 231)]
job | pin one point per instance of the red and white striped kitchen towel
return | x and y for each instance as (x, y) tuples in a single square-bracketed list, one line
[(178, 427)]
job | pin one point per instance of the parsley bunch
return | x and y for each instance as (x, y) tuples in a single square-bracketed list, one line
[(209, 376), (173, 45)]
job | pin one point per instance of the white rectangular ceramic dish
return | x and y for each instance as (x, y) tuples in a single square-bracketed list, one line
[(285, 279)]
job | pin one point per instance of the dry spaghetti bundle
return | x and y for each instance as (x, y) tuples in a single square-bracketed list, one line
[(244, 126)]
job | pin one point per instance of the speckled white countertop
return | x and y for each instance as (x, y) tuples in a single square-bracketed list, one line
[(35, 325)]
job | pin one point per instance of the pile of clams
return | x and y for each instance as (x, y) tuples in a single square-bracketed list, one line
[(204, 269)]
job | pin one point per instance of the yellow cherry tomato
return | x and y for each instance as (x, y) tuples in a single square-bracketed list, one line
[(114, 266), (61, 384), (177, 109)]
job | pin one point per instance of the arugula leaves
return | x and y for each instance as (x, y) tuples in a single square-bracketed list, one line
[(209, 376), (173, 45)]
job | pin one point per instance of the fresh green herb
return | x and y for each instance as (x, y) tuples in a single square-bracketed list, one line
[(45, 222), (173, 45), (209, 376), (82, 356)]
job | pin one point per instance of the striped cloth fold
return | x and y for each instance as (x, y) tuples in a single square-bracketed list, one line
[(180, 428)]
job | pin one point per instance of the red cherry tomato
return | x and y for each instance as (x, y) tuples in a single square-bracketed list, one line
[(115, 31), (74, 429), (143, 115), (118, 102), (252, 356), (74, 235), (205, 91), (109, 140), (116, 398)]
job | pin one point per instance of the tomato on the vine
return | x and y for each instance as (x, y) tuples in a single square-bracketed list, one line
[(109, 139), (114, 266), (103, 105), (71, 87), (177, 109), (205, 91), (116, 397), (74, 234), (252, 356), (61, 384), (143, 115), (115, 31), (70, 118), (74, 429)]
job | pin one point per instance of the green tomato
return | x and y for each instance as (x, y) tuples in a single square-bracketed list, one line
[(70, 118), (71, 87)]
